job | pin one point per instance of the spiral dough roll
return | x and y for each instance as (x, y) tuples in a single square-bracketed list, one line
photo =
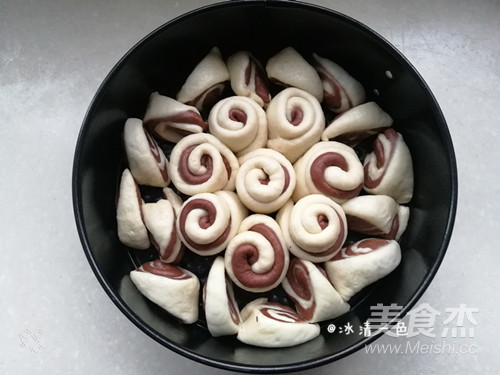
[(315, 228), (208, 221), (290, 69), (248, 77), (257, 259), (274, 325), (204, 86), (362, 263), (265, 180), (147, 162), (200, 163), (340, 90), (376, 215), (240, 123), (295, 122), (329, 168), (388, 168), (173, 288), (314, 296), (159, 218), (221, 310), (171, 120), (357, 123)]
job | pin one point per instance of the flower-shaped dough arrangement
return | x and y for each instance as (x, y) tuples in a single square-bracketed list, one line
[(243, 170)]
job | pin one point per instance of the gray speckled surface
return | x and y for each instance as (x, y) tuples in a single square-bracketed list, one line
[(53, 56)]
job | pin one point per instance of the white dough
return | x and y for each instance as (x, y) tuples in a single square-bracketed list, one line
[(265, 270), (293, 140), (264, 164), (201, 240), (170, 119), (397, 171), (350, 92), (378, 211), (131, 229), (205, 145), (349, 181), (352, 273), (146, 160), (271, 325), (237, 64), (177, 296), (160, 218), (363, 118), (240, 136), (325, 301), (176, 201), (218, 297), (209, 72), (302, 232), (291, 69), (404, 217)]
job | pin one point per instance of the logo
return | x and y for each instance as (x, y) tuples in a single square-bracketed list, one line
[(31, 340)]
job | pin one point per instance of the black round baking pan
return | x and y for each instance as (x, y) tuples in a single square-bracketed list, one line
[(161, 62)]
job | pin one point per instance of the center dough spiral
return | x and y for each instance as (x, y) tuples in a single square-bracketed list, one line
[(265, 180)]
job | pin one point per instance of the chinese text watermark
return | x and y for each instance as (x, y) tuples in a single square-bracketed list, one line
[(454, 322)]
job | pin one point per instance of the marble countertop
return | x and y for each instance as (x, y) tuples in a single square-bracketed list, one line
[(56, 319)]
